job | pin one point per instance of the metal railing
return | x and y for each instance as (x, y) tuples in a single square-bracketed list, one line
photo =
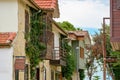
[(58, 53)]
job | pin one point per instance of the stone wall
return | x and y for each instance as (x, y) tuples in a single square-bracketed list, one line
[(19, 42)]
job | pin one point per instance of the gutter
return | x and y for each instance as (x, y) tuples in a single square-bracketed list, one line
[(32, 1)]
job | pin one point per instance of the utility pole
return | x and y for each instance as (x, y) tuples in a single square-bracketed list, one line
[(104, 49)]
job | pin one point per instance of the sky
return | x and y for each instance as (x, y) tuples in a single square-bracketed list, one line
[(86, 14)]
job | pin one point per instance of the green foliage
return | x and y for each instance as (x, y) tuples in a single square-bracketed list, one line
[(115, 67), (116, 70), (96, 77), (65, 25), (79, 29), (117, 55), (81, 74), (33, 44), (67, 70)]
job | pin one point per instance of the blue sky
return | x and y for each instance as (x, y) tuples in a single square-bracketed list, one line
[(91, 30), (86, 14)]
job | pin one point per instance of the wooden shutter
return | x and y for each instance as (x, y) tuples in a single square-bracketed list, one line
[(81, 52), (26, 22), (50, 44)]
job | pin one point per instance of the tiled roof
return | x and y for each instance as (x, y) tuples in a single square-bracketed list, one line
[(6, 37), (46, 4), (79, 33), (74, 34)]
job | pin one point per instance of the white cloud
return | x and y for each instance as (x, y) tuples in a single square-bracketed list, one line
[(83, 13)]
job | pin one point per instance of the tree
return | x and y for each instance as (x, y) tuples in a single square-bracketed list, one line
[(66, 26), (90, 66), (96, 55), (97, 51)]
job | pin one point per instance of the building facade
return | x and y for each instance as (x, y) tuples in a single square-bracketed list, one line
[(115, 24), (80, 42), (14, 17)]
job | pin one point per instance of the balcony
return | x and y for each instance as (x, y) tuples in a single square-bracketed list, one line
[(58, 57), (48, 39)]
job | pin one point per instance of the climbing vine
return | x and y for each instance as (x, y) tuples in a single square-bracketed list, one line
[(81, 74), (67, 70), (33, 44)]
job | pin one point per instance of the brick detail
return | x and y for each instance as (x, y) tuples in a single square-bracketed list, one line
[(20, 64)]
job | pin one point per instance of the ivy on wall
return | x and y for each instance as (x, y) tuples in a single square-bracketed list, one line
[(67, 70), (81, 74), (33, 44)]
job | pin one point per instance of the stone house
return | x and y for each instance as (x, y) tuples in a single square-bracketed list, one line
[(80, 42), (50, 67), (13, 29), (58, 55), (15, 19)]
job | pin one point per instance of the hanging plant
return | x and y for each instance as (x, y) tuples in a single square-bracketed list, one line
[(33, 44)]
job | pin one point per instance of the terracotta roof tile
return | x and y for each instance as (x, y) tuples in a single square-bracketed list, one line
[(7, 37), (46, 4), (74, 34), (79, 33)]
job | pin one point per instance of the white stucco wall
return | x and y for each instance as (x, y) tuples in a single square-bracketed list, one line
[(56, 32), (82, 61), (56, 39), (6, 67), (81, 44), (8, 16)]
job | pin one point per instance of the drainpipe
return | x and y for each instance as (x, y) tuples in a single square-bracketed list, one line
[(77, 56)]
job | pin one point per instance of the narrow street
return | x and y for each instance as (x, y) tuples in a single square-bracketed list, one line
[(60, 39)]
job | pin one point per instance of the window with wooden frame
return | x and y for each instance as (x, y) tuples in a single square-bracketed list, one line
[(81, 52), (26, 21)]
